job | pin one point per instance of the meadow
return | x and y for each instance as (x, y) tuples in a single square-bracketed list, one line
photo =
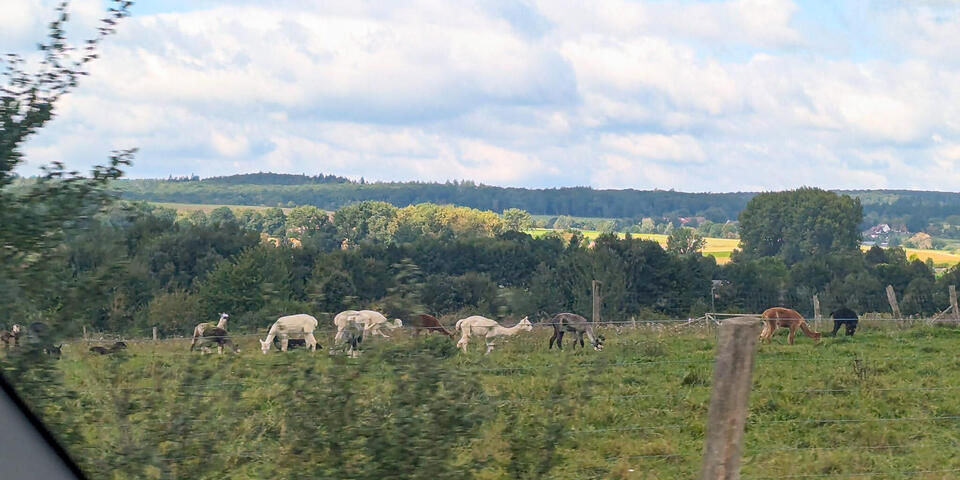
[(882, 401)]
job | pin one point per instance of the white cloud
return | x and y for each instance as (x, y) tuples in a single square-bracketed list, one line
[(729, 95)]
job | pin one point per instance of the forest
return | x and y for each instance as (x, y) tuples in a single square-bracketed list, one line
[(931, 212), (134, 266)]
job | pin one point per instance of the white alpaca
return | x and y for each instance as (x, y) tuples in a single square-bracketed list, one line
[(300, 325), (490, 329), (202, 327)]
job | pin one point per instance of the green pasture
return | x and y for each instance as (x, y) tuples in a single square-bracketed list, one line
[(882, 401)]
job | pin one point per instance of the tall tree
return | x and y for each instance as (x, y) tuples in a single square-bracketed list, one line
[(33, 214), (798, 224), (685, 241)]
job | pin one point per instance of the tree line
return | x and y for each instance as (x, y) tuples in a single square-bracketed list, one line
[(932, 212)]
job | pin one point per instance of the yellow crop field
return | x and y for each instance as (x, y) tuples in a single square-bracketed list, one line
[(719, 248)]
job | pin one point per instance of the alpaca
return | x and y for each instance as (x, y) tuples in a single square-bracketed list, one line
[(429, 323), (372, 323), (490, 329), (573, 323), (300, 325), (116, 347), (292, 343), (844, 317), (201, 327), (350, 330), (216, 335), (54, 351), (39, 333), (12, 336), (785, 317)]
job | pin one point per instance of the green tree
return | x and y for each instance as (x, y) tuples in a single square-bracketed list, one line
[(517, 219), (797, 224), (366, 221), (275, 222), (221, 215), (307, 218), (685, 241)]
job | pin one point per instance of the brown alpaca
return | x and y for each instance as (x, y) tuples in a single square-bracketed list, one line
[(430, 324), (785, 317)]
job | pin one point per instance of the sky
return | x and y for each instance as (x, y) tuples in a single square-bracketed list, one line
[(705, 96)]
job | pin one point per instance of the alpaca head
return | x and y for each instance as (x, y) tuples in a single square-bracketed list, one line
[(15, 329), (525, 324), (264, 346), (224, 315), (598, 342), (397, 323)]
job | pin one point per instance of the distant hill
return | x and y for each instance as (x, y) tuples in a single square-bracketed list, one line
[(917, 210)]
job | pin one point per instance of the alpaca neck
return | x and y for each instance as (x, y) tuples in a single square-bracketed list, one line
[(807, 330), (222, 323), (590, 336), (501, 330)]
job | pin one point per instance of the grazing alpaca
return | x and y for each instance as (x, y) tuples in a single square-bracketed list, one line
[(201, 327), (116, 347), (54, 351), (12, 336), (216, 335), (300, 325), (490, 329), (846, 318), (350, 330), (573, 323), (430, 324), (38, 333), (785, 317), (372, 322)]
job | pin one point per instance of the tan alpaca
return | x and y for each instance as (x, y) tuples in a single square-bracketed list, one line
[(481, 326), (785, 317)]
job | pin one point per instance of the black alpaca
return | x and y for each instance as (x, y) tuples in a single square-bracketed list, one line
[(293, 342), (845, 317)]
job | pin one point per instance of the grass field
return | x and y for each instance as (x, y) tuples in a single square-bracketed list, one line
[(882, 401)]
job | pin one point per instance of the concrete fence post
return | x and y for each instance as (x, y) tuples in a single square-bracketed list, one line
[(730, 390), (154, 334)]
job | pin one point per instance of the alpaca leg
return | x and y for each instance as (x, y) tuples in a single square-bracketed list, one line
[(560, 341), (580, 338), (462, 344), (311, 342), (489, 347), (763, 333), (836, 328), (284, 341), (554, 339), (793, 331), (219, 349)]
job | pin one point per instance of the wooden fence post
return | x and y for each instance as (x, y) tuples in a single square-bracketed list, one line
[(84, 333), (816, 310), (953, 303), (892, 298), (730, 390), (596, 303), (154, 333)]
